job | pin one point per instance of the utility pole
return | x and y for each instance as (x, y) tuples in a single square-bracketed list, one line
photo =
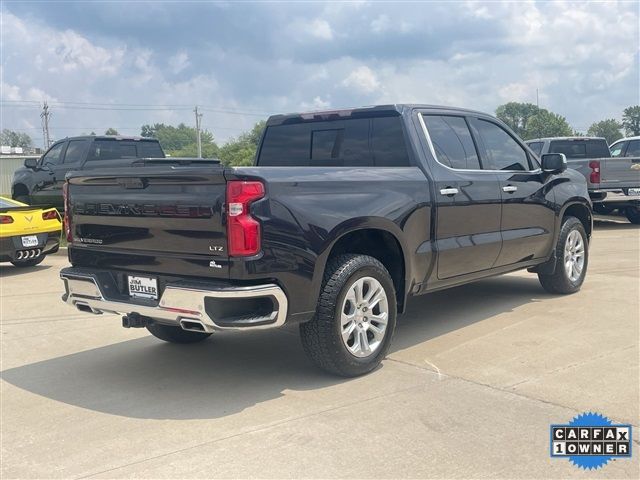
[(45, 125), (537, 99), (198, 126)]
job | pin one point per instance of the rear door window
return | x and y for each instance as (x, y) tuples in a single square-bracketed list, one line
[(633, 150), (452, 141), (349, 143), (501, 149)]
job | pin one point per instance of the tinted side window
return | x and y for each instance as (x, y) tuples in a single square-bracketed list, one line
[(387, 143), (54, 156), (452, 142), (111, 149), (503, 152), (618, 148), (536, 147), (350, 143), (633, 150), (148, 149), (75, 151)]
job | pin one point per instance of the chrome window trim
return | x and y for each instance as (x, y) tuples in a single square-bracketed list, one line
[(425, 131)]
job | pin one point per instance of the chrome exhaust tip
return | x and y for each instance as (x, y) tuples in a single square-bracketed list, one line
[(20, 255), (192, 325)]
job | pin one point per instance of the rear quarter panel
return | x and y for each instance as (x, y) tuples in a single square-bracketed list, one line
[(306, 210)]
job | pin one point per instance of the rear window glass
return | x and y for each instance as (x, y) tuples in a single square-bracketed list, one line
[(580, 148), (6, 203), (452, 142), (536, 147), (341, 143), (112, 149), (148, 149)]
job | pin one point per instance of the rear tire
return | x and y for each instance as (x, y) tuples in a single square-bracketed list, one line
[(28, 263), (572, 258), (172, 334), (355, 318), (633, 214)]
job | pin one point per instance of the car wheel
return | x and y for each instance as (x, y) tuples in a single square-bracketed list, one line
[(28, 263), (172, 334), (572, 258), (633, 214), (355, 318)]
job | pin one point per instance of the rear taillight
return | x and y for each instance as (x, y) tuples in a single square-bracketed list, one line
[(6, 219), (50, 215), (243, 231), (68, 232), (594, 177)]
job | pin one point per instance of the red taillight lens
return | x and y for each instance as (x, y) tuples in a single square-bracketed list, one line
[(68, 231), (50, 215), (243, 231), (594, 177), (6, 219)]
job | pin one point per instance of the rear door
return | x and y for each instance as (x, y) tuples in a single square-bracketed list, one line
[(528, 216), (467, 198)]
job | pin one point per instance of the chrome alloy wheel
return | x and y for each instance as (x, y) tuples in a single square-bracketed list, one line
[(574, 255), (364, 317)]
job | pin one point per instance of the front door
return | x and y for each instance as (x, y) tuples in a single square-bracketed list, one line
[(51, 168), (528, 215), (468, 202)]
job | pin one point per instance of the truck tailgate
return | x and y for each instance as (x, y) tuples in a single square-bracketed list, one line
[(150, 219)]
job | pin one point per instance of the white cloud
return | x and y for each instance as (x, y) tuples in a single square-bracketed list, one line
[(321, 29), (362, 79), (179, 62)]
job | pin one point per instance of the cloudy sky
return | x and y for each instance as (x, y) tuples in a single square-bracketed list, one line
[(117, 64)]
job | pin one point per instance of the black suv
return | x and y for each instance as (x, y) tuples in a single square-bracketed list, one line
[(40, 181)]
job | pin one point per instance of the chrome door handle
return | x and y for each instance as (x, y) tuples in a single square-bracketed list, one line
[(509, 188), (448, 191)]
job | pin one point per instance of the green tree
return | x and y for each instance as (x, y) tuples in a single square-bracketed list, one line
[(242, 151), (111, 131), (516, 115), (181, 141), (631, 121), (609, 129), (15, 139), (547, 124)]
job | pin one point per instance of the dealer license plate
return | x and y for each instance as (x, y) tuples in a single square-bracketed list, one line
[(633, 191), (30, 241), (143, 287)]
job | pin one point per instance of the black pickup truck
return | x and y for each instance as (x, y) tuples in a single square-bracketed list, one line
[(344, 216), (40, 181)]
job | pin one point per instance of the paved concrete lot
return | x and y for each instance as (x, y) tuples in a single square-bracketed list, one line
[(475, 377)]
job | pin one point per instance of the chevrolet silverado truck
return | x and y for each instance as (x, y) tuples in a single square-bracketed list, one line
[(343, 217), (39, 181), (613, 180)]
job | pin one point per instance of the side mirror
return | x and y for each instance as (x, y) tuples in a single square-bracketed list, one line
[(554, 162), (31, 163)]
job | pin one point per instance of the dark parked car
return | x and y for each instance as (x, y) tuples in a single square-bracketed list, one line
[(345, 215), (40, 182)]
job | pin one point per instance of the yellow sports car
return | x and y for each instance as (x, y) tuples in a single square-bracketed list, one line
[(27, 233)]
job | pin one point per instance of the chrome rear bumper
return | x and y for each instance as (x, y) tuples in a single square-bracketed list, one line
[(178, 305)]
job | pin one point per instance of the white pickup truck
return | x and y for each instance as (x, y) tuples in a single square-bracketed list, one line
[(613, 181)]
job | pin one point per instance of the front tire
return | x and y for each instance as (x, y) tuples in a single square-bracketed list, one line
[(28, 263), (572, 258), (172, 334), (355, 318), (633, 214)]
